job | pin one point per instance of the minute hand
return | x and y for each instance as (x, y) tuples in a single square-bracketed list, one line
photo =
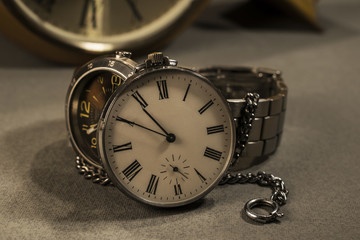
[(167, 134), (133, 123)]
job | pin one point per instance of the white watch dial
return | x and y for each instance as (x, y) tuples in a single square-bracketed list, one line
[(168, 137)]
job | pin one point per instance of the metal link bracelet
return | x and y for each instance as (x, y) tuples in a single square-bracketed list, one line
[(279, 195)]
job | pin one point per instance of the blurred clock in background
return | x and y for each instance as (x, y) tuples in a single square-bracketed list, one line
[(72, 31)]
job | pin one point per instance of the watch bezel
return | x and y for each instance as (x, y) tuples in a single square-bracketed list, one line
[(122, 66), (106, 115)]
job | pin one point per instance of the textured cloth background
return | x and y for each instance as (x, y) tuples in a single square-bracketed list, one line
[(43, 197)]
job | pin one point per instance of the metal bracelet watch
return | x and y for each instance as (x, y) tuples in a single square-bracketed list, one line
[(257, 97), (267, 125), (168, 135)]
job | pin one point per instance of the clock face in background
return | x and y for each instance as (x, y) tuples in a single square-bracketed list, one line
[(98, 26), (95, 18)]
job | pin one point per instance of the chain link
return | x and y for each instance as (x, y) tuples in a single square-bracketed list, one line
[(91, 172), (279, 194), (245, 123)]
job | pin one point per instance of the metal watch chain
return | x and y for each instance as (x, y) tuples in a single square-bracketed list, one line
[(96, 174), (279, 195)]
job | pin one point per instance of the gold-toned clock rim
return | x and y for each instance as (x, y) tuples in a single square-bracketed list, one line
[(54, 50), (14, 30)]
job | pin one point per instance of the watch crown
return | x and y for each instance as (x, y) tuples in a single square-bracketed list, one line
[(119, 54), (158, 59)]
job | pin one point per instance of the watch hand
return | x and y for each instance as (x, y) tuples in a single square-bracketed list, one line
[(134, 9), (93, 18), (133, 123), (92, 129), (47, 5), (84, 11), (147, 113), (176, 169)]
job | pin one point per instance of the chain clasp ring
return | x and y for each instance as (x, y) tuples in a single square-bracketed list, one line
[(260, 217)]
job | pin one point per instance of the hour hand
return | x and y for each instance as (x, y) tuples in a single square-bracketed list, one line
[(92, 129), (156, 122), (170, 137), (134, 9)]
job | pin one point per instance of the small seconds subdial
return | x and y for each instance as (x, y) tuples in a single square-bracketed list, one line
[(175, 167), (167, 138)]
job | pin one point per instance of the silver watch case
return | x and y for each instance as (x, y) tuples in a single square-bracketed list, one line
[(118, 63), (143, 71)]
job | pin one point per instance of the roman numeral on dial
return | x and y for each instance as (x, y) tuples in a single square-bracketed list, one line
[(212, 153), (152, 186), (215, 129), (186, 93), (124, 147), (46, 4), (202, 178), (132, 170), (140, 99), (163, 90), (177, 189), (206, 107)]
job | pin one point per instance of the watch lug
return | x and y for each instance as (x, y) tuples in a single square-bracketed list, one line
[(120, 54), (101, 123), (268, 72)]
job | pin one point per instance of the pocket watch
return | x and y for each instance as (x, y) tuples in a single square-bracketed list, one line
[(168, 135), (71, 31), (91, 86)]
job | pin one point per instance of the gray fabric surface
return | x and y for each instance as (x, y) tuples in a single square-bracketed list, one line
[(43, 197)]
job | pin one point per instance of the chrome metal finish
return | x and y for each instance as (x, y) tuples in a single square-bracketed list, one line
[(262, 179), (268, 123), (245, 123), (97, 175), (258, 120), (257, 98), (117, 63), (154, 62), (263, 108), (278, 197), (156, 59), (268, 72), (260, 217), (119, 54)]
